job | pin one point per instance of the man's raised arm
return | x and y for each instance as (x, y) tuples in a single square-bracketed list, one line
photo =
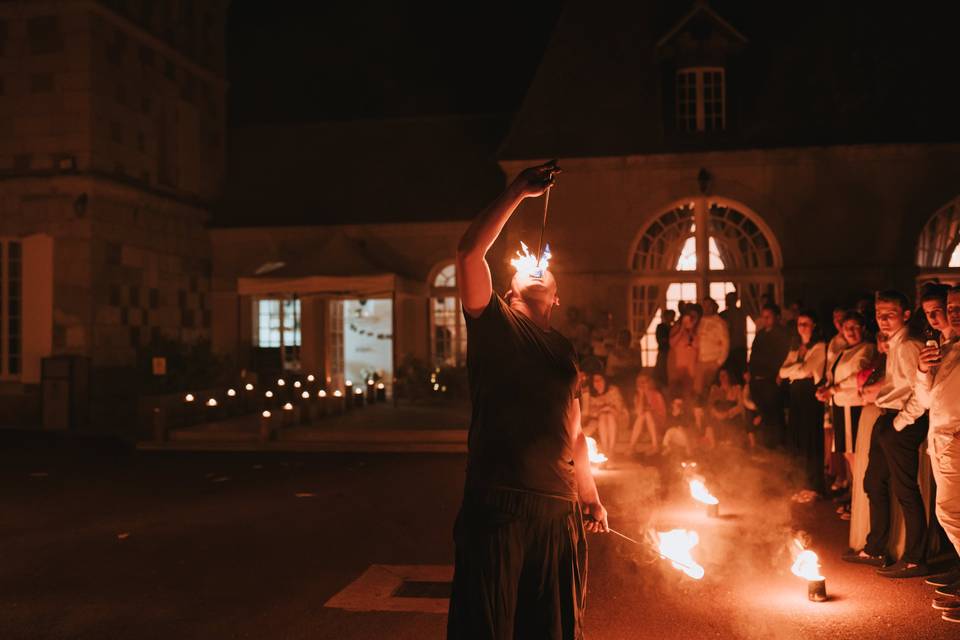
[(473, 272)]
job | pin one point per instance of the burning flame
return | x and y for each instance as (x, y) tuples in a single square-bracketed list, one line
[(700, 492), (806, 565), (594, 453), (675, 545), (528, 264)]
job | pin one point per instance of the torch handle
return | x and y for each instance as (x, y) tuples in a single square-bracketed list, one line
[(543, 225)]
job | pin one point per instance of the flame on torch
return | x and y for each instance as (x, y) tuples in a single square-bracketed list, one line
[(594, 453), (527, 263), (675, 545), (806, 565), (700, 492)]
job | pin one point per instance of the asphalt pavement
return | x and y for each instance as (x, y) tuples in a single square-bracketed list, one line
[(105, 542)]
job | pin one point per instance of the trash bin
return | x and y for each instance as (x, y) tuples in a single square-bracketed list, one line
[(64, 385)]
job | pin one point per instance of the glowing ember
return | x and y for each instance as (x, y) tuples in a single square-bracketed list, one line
[(594, 453), (526, 263), (806, 565), (700, 492), (675, 545)]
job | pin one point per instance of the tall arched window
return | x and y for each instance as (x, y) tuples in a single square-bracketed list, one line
[(938, 249), (448, 333), (700, 247)]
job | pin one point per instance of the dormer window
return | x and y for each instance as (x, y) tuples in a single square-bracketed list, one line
[(701, 99)]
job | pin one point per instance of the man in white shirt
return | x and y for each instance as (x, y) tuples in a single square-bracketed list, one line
[(714, 340), (938, 389), (895, 443)]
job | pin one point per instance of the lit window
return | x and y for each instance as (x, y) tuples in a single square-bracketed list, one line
[(11, 306), (678, 292), (701, 98), (277, 325), (448, 336)]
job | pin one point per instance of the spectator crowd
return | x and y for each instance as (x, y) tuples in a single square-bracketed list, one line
[(868, 403)]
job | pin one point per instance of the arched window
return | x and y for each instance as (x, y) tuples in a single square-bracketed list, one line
[(938, 249), (700, 247), (448, 332)]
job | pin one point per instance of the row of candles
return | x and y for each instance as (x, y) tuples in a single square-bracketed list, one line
[(308, 401), (676, 545)]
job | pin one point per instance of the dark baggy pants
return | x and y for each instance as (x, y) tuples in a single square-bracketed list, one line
[(894, 463), (805, 426), (521, 568), (769, 400)]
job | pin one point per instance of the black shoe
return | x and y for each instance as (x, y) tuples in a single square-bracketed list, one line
[(950, 590), (944, 579), (905, 570), (944, 603), (862, 557)]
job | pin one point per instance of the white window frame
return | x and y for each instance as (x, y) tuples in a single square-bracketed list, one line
[(458, 345), (5, 337), (719, 119), (291, 338)]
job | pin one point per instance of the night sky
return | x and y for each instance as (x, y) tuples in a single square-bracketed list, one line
[(336, 60)]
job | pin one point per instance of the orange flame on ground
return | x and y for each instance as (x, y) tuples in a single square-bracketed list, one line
[(806, 565), (594, 453), (675, 545), (527, 263), (700, 492)]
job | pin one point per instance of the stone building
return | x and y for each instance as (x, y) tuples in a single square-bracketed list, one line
[(113, 147), (706, 148)]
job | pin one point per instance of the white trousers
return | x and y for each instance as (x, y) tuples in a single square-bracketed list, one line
[(944, 450)]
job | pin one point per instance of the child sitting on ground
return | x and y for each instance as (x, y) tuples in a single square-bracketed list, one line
[(679, 437)]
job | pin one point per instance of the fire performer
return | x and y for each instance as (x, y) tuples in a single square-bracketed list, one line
[(521, 556)]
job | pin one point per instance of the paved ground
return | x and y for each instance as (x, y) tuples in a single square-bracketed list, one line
[(119, 544)]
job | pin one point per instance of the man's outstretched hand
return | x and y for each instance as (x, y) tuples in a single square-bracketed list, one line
[(534, 181), (595, 518)]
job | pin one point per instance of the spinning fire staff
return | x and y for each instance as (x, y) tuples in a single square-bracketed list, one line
[(530, 496)]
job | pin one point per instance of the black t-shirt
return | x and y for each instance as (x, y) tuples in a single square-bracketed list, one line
[(523, 384)]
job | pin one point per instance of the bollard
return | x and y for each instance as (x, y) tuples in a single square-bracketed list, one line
[(266, 426), (159, 424)]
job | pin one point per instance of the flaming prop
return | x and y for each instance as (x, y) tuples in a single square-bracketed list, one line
[(594, 453), (700, 493), (527, 263), (807, 566), (675, 545)]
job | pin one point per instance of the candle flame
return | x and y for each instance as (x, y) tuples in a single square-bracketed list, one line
[(189, 397), (700, 492), (322, 393), (248, 387), (212, 402), (675, 545), (231, 392), (305, 395), (807, 564), (594, 453), (288, 407), (526, 263)]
